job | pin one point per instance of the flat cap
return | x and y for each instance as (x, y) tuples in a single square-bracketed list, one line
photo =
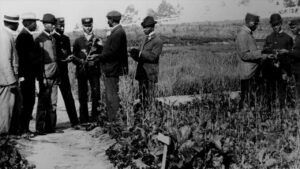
[(251, 17), (275, 19), (148, 22), (87, 21), (29, 16), (11, 18), (60, 21), (114, 15), (294, 22), (49, 18)]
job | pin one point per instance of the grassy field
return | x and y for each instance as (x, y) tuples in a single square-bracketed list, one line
[(210, 133)]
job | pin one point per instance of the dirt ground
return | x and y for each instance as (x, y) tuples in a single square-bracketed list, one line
[(72, 149)]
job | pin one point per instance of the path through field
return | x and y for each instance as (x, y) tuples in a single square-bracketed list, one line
[(72, 149)]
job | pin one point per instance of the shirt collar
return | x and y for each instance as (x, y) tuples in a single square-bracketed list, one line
[(48, 34), (151, 35), (54, 32), (115, 27), (88, 36), (27, 30), (245, 28)]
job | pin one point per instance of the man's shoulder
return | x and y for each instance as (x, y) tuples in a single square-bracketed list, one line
[(287, 36)]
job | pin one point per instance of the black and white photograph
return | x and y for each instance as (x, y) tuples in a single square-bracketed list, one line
[(149, 84)]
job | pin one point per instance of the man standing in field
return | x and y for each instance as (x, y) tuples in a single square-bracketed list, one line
[(28, 68), (114, 63), (276, 69), (147, 57), (250, 57), (63, 51), (8, 72), (295, 55), (48, 78), (84, 46)]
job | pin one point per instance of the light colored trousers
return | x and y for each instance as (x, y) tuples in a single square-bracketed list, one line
[(7, 101)]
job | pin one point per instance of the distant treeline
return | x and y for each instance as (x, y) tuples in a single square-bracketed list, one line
[(192, 33)]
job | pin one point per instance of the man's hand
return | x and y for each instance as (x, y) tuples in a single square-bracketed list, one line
[(134, 53), (92, 57), (283, 51), (68, 59)]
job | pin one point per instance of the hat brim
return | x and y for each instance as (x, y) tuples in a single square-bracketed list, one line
[(52, 22), (30, 19), (12, 21), (150, 24), (274, 23)]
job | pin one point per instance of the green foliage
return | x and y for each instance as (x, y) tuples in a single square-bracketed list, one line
[(10, 158)]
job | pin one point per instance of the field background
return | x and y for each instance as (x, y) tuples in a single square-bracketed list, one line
[(196, 58)]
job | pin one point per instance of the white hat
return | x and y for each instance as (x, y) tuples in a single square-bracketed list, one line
[(11, 18), (29, 16)]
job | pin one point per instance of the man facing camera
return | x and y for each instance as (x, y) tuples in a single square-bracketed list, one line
[(147, 57), (48, 77), (85, 46)]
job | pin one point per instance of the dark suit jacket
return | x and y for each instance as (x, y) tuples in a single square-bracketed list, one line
[(114, 58), (276, 41), (295, 54), (46, 46), (81, 48), (63, 50), (148, 67), (27, 52)]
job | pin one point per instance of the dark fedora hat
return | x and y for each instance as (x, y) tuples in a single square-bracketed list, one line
[(275, 19), (148, 22), (49, 18)]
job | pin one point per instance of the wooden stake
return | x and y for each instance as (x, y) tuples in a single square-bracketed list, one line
[(166, 140)]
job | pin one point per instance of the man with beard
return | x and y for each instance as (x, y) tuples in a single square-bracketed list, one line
[(114, 63), (84, 46), (276, 69), (63, 51), (250, 57), (28, 68)]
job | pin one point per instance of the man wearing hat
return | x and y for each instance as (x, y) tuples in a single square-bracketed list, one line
[(28, 68), (84, 46), (63, 51), (295, 55), (250, 57), (48, 77), (276, 69), (147, 57), (114, 62), (8, 72)]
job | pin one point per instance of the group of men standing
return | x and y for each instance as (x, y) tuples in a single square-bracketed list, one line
[(45, 58), (267, 71)]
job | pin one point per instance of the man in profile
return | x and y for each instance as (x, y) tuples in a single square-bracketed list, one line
[(63, 51), (250, 58), (28, 68), (114, 63), (8, 73)]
